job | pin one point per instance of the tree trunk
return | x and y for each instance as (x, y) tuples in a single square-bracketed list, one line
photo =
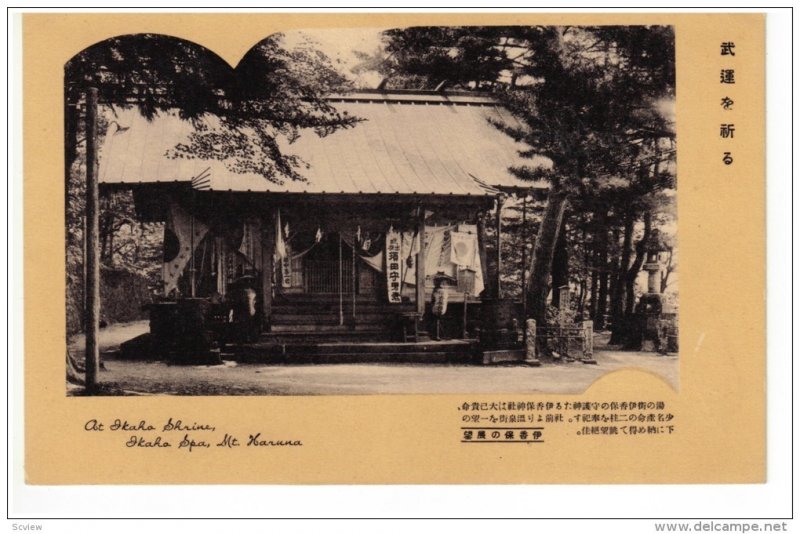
[(602, 271), (585, 278), (613, 271), (543, 250), (666, 273), (593, 293), (560, 261), (633, 272), (641, 246), (111, 231), (602, 295), (618, 296), (92, 312)]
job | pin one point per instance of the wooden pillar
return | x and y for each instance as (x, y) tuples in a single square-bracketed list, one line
[(267, 269), (259, 252), (353, 276), (499, 222), (192, 269), (92, 260), (341, 283), (524, 258), (421, 261), (481, 228), (83, 273)]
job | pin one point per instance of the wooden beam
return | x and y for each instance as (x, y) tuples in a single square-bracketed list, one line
[(92, 260), (421, 261)]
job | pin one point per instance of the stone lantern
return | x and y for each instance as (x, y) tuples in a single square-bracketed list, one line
[(648, 310), (653, 268)]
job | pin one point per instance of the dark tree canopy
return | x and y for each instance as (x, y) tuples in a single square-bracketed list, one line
[(592, 99), (239, 112)]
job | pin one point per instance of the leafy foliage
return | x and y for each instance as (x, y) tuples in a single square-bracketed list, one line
[(239, 113)]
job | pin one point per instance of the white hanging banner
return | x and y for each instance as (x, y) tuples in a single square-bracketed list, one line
[(221, 265), (286, 268), (462, 248), (393, 265), (280, 244), (179, 244)]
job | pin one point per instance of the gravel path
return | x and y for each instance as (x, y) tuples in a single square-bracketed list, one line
[(231, 378)]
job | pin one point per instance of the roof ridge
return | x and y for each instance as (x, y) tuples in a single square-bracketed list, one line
[(408, 95), (461, 92)]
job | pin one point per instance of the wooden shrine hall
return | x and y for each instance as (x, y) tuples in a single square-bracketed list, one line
[(389, 210)]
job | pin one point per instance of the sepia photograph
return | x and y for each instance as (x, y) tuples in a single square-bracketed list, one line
[(414, 264), (432, 209)]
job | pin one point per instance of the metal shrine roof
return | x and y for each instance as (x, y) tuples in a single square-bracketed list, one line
[(409, 143)]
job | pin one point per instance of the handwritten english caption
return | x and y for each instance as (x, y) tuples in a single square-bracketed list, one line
[(179, 435)]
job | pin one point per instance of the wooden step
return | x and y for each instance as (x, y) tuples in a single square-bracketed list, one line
[(333, 346), (461, 352), (323, 328), (388, 347), (327, 318), (331, 297), (334, 308), (389, 357), (309, 338), (347, 358)]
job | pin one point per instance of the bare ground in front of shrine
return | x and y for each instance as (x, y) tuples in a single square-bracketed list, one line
[(121, 377)]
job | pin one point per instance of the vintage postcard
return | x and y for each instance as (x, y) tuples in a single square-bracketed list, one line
[(399, 248)]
